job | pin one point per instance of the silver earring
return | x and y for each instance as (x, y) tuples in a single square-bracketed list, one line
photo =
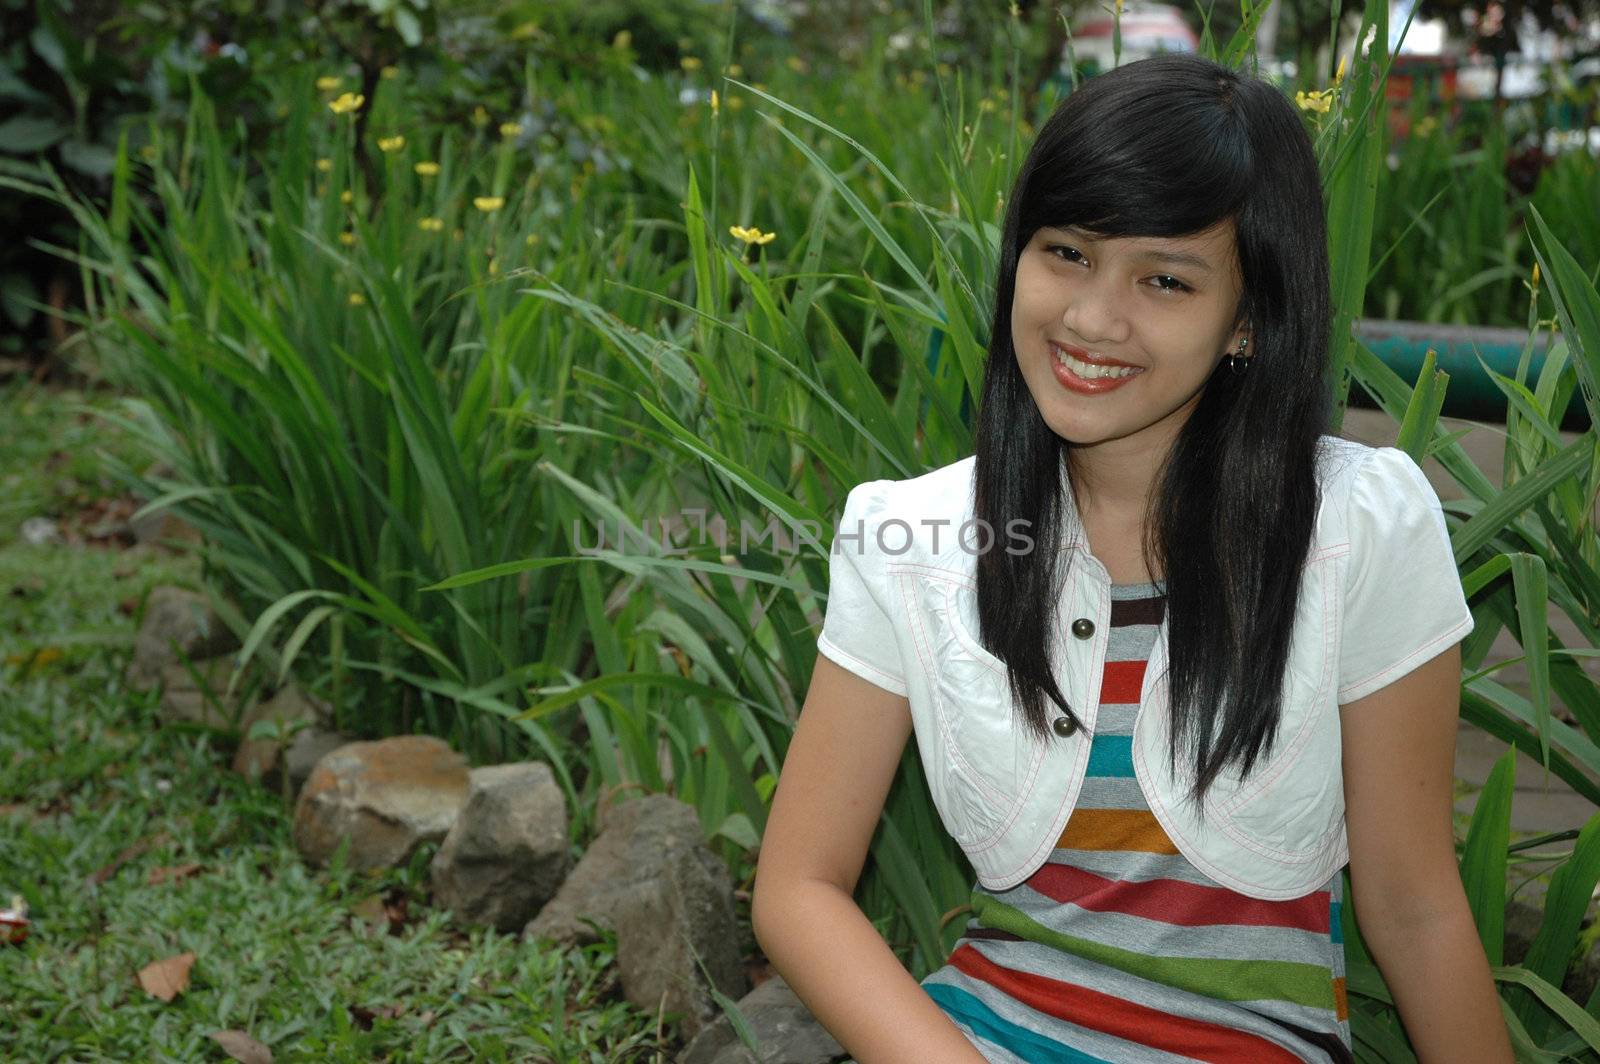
[(1238, 360)]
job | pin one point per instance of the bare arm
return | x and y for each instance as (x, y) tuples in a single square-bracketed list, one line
[(1399, 762), (838, 770)]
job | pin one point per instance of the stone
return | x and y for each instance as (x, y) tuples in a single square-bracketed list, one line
[(185, 701), (177, 624), (784, 1028), (650, 878), (387, 797), (162, 528), (262, 757), (41, 532), (506, 854)]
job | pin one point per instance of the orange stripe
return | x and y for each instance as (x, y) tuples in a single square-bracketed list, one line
[(1115, 829), (1341, 1006)]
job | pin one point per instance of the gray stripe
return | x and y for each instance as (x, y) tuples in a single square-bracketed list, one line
[(1045, 962), (1085, 1039), (1140, 935), (1156, 939), (1130, 642)]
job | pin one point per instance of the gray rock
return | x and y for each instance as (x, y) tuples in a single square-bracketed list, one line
[(176, 622), (506, 854), (387, 797), (266, 759), (40, 532), (784, 1028), (162, 528), (208, 702), (650, 878)]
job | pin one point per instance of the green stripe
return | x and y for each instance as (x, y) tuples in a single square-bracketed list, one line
[(1310, 985)]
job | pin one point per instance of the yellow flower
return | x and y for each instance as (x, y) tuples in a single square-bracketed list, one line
[(347, 196), (324, 165), (328, 82), (796, 64), (480, 117), (389, 144), (622, 40), (389, 73), (348, 102), (735, 102), (735, 70), (689, 62), (533, 238), (430, 225), (489, 204), (1119, 8), (1536, 275), (524, 31), (426, 169), (357, 299), (1314, 101), (714, 107), (986, 105), (347, 238), (494, 267), (510, 129), (149, 153), (1339, 74), (752, 235)]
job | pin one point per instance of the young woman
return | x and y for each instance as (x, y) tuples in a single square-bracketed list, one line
[(1219, 663)]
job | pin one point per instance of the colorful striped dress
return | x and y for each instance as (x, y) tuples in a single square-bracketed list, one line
[(1118, 949)]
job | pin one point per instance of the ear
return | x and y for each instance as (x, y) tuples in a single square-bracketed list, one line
[(1241, 332)]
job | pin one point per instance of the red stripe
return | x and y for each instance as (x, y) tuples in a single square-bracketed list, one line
[(1121, 1018), (1172, 901), (1122, 682)]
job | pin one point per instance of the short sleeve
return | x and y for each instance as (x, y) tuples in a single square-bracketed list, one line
[(1403, 602), (857, 632)]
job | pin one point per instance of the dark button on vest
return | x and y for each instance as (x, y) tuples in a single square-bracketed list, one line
[(1083, 628), (1065, 726)]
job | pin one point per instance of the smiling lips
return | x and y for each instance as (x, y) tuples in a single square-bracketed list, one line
[(1088, 374)]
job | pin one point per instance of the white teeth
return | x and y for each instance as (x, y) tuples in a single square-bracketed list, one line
[(1091, 372)]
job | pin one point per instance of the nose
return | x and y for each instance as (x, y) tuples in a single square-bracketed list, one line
[(1095, 312)]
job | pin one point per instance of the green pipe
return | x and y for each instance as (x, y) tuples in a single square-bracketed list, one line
[(1471, 394)]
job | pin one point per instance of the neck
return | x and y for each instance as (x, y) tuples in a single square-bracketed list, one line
[(1115, 479)]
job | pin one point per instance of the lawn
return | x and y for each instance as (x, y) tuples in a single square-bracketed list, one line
[(133, 844)]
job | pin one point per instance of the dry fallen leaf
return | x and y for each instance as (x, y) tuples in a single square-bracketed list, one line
[(166, 979), (172, 873), (129, 854), (242, 1047)]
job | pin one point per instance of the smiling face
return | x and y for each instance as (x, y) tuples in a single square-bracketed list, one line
[(1163, 306)]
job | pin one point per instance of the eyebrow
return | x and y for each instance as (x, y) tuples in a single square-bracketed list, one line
[(1176, 258)]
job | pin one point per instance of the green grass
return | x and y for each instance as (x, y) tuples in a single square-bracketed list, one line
[(87, 773)]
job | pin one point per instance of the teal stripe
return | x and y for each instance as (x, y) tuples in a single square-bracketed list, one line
[(1029, 1045), (1111, 755), (1335, 927)]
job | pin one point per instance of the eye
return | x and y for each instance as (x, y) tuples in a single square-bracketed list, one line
[(1175, 286), (1051, 249)]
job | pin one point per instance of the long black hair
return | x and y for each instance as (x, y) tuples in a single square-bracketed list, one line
[(1170, 146)]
